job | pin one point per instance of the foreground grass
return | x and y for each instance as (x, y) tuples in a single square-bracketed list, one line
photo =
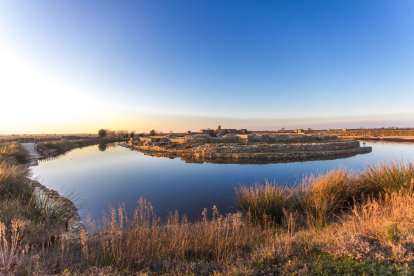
[(318, 200), (336, 223), (13, 152)]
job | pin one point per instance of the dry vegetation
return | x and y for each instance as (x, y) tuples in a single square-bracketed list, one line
[(13, 153), (53, 148), (379, 132), (336, 223)]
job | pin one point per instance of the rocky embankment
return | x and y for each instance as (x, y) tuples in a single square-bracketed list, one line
[(61, 210), (249, 148)]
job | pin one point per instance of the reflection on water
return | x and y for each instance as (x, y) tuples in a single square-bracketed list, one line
[(100, 177)]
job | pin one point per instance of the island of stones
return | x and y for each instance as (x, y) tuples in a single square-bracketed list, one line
[(240, 146)]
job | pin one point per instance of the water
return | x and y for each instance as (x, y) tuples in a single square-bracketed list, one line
[(99, 178)]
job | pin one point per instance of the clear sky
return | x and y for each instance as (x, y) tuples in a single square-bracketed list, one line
[(80, 65)]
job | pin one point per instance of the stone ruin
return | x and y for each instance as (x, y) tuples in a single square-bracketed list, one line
[(243, 146)]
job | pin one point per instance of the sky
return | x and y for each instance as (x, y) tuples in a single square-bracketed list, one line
[(81, 65)]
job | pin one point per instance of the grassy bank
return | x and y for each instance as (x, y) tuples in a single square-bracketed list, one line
[(13, 153), (317, 200), (52, 148), (336, 223)]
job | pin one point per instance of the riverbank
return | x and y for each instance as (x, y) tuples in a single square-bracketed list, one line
[(326, 224), (58, 147), (41, 205), (399, 139)]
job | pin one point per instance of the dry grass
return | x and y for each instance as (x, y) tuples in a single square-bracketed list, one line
[(323, 197), (64, 145), (320, 199), (264, 202), (364, 225), (143, 241), (382, 228), (385, 178), (13, 153)]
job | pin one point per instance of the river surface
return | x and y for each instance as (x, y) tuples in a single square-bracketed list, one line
[(97, 178)]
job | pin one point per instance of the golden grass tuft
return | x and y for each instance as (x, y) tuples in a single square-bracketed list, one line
[(263, 202), (323, 197)]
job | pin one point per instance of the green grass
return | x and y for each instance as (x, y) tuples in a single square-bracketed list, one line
[(327, 264)]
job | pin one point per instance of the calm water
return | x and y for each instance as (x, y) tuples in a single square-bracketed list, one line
[(99, 179)]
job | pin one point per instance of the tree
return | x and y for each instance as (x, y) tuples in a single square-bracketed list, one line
[(102, 133), (132, 134), (153, 132)]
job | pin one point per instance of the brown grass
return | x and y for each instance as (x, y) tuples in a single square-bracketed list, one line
[(142, 240), (364, 225), (323, 197), (64, 145), (13, 152), (264, 202)]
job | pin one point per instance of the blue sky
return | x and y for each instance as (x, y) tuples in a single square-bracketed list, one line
[(191, 64)]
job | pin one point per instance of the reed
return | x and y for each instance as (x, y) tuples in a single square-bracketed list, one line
[(143, 240), (385, 178), (263, 202)]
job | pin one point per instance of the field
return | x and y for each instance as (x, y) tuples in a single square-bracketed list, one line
[(393, 133)]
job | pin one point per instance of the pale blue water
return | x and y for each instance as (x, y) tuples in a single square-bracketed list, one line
[(118, 175)]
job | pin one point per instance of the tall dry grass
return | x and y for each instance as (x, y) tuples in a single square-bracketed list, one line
[(320, 199), (323, 197), (13, 152), (385, 178), (12, 250), (13, 182), (143, 240), (264, 202)]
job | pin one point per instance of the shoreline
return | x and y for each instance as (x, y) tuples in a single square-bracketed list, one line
[(251, 149), (52, 199), (384, 139)]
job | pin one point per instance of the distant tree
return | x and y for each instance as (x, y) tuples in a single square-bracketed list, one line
[(102, 146), (153, 132), (132, 134), (102, 133)]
